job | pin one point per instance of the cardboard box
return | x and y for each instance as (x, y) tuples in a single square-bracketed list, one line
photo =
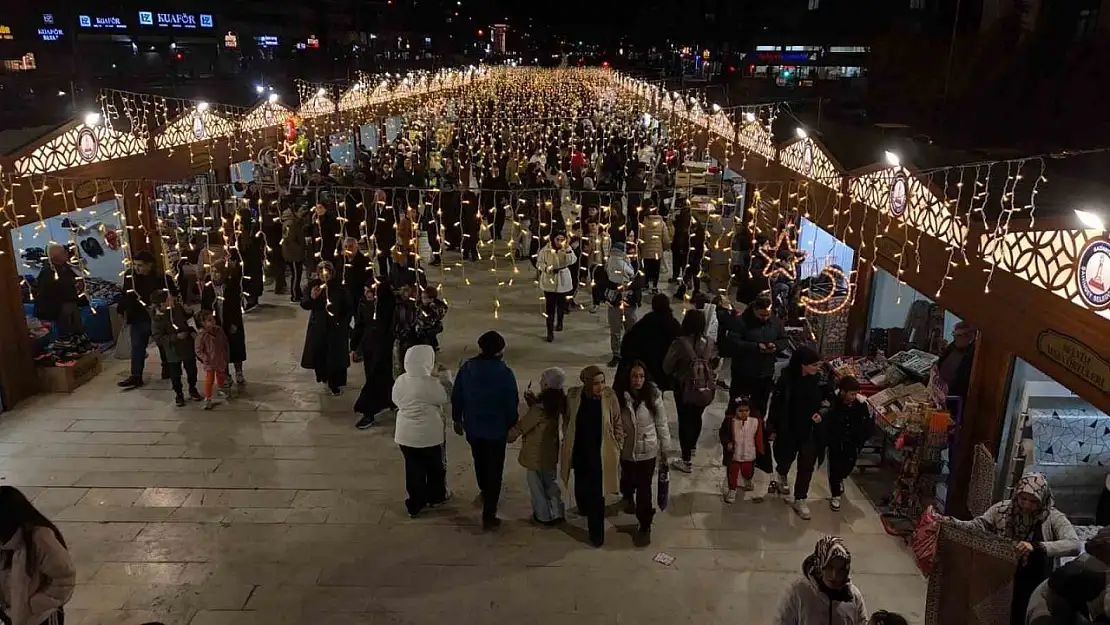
[(66, 379)]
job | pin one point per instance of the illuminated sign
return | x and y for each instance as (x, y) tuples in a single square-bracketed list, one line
[(266, 41), (5, 32), (50, 34), (96, 21), (231, 40), (300, 46), (776, 57), (176, 20), (312, 42), (47, 18)]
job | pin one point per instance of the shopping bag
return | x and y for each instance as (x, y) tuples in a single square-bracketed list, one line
[(663, 491), (924, 540), (123, 343)]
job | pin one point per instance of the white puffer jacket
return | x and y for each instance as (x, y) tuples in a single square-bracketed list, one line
[(554, 266), (420, 397), (645, 434), (805, 604)]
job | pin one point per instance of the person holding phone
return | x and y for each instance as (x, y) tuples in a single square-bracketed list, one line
[(795, 424), (326, 339)]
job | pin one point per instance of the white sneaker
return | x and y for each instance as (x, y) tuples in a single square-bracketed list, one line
[(834, 503), (784, 485), (682, 465), (730, 496), (802, 508)]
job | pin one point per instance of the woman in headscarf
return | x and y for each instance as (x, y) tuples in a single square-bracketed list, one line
[(825, 593), (593, 436), (1039, 531), (326, 343)]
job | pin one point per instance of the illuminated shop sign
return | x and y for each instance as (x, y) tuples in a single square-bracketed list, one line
[(312, 42), (231, 40), (176, 20), (50, 34), (98, 21), (6, 32), (48, 18), (266, 41), (777, 57)]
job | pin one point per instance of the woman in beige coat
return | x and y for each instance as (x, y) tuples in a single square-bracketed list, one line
[(592, 440), (40, 576), (539, 450), (654, 238)]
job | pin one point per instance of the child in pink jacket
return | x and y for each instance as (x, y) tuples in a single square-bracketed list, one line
[(212, 350)]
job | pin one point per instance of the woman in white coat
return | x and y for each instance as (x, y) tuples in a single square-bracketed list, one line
[(553, 262), (420, 396), (825, 593)]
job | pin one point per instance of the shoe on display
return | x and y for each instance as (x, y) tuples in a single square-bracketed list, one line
[(730, 496), (802, 508), (834, 503)]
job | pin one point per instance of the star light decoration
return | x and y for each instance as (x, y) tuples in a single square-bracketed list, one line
[(787, 266)]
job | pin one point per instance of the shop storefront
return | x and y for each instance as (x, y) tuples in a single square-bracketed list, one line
[(801, 66)]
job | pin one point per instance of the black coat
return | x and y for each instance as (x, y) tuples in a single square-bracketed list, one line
[(740, 341), (648, 341), (356, 274), (229, 315), (846, 426), (327, 338), (54, 287), (137, 289), (796, 399), (374, 334)]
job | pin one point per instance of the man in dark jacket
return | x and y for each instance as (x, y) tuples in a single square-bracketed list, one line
[(356, 271), (484, 407), (847, 426), (57, 295), (752, 341), (139, 284)]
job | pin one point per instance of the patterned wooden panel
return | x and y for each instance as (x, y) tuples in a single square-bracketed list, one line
[(904, 198), (808, 159), (356, 97), (1047, 258), (265, 115), (193, 127), (722, 126), (81, 145), (755, 137), (316, 106)]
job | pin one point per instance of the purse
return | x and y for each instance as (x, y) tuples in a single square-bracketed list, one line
[(663, 489)]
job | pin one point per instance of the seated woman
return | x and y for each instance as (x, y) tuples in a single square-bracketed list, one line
[(1039, 531)]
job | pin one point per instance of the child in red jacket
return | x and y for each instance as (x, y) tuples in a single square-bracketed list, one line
[(742, 442)]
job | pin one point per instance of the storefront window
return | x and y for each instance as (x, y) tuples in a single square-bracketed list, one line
[(822, 250), (911, 318), (1049, 429)]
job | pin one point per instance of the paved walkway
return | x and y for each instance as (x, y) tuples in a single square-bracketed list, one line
[(274, 509)]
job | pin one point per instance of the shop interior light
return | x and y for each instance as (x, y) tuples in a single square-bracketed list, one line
[(892, 159), (802, 134), (273, 98), (202, 106), (92, 119), (1091, 221)]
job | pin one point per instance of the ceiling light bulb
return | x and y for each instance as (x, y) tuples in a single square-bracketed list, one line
[(92, 119), (750, 117), (802, 134), (1091, 220), (202, 106), (273, 98), (893, 159), (716, 108), (321, 92)]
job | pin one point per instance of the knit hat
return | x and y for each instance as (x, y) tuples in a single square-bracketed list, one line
[(553, 378), (491, 343)]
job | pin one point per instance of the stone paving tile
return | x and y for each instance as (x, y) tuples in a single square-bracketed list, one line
[(272, 509)]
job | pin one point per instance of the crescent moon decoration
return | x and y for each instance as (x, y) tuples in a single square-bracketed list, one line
[(830, 303)]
